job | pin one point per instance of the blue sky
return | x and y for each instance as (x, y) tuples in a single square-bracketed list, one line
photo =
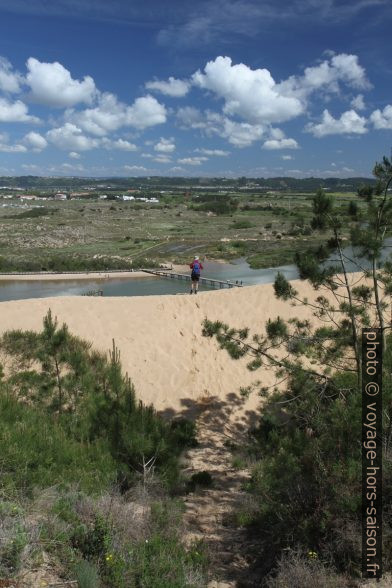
[(209, 88)]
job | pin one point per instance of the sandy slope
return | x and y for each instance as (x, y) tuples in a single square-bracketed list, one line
[(180, 371), (160, 338)]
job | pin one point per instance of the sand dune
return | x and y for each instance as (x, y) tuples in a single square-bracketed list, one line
[(160, 340)]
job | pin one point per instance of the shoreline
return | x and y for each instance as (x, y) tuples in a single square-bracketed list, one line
[(96, 275), (38, 277)]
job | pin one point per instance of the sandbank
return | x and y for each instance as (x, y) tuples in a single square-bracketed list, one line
[(72, 276)]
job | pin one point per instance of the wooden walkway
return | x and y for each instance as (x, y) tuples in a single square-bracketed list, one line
[(207, 281)]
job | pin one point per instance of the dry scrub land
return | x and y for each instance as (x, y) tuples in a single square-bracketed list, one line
[(265, 229)]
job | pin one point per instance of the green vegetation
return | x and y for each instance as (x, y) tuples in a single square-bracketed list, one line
[(201, 479), (95, 234), (73, 431), (242, 224), (76, 263), (39, 452), (306, 488), (33, 213)]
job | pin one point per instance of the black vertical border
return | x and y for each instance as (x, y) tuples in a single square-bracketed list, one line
[(372, 342)]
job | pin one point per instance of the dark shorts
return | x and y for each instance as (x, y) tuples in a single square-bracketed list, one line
[(195, 277)]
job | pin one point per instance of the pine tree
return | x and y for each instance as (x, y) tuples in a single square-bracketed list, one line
[(307, 445)]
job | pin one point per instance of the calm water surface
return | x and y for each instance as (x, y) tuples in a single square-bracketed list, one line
[(238, 270), (18, 290)]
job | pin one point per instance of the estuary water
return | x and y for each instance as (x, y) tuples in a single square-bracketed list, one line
[(148, 286), (238, 270)]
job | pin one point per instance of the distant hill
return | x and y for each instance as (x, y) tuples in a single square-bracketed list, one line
[(165, 183)]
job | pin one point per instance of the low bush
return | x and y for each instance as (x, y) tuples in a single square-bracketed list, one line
[(37, 451), (219, 207), (34, 213), (297, 570), (120, 544), (77, 263), (199, 480), (241, 224)]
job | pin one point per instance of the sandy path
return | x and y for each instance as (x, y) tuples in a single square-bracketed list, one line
[(209, 512)]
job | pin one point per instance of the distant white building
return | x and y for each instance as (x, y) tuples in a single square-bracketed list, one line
[(60, 196)]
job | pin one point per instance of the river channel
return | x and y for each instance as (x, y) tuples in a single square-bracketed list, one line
[(238, 270)]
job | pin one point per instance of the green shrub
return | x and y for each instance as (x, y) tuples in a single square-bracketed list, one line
[(199, 479), (86, 574), (94, 542), (36, 451), (242, 224), (34, 213), (221, 206), (72, 263), (11, 549), (184, 432), (95, 402)]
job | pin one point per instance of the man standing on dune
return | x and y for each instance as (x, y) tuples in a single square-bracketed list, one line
[(196, 267)]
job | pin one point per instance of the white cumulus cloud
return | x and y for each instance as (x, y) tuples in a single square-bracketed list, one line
[(358, 102), (6, 148), (239, 134), (192, 160), (70, 138), (213, 152), (349, 123), (51, 84), (10, 81), (74, 155), (165, 145), (162, 159), (251, 94), (382, 119), (106, 117), (35, 141), (110, 114), (189, 117), (31, 167), (15, 112), (120, 144), (171, 87), (278, 140), (135, 168), (326, 76), (176, 169), (145, 112)]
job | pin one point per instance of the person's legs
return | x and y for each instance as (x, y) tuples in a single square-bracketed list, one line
[(195, 283)]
